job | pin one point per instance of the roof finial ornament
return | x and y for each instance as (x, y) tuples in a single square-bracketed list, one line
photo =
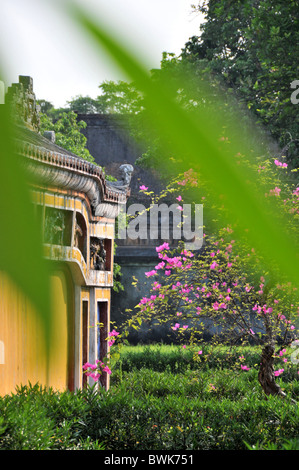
[(126, 174), (21, 97)]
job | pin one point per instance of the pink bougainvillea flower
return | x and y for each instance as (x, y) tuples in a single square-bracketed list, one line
[(151, 273), (296, 192), (113, 333), (185, 327), (187, 253), (245, 367), (95, 376), (106, 369), (167, 272), (257, 308), (179, 198), (143, 188), (180, 208), (160, 265), (164, 246), (278, 163), (278, 372), (213, 265), (275, 191), (156, 285), (199, 352)]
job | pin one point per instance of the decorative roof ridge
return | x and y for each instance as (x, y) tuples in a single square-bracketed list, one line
[(74, 164)]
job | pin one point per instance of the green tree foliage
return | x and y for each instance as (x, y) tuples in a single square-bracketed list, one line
[(119, 98), (253, 46), (68, 133), (83, 105), (116, 97), (45, 106)]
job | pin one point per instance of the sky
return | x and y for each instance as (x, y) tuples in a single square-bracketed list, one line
[(39, 38)]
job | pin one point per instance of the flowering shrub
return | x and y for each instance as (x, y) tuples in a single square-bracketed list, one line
[(96, 370), (226, 289)]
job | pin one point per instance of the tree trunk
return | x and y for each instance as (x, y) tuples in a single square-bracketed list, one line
[(266, 375)]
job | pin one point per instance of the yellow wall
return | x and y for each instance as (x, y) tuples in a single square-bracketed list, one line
[(21, 337)]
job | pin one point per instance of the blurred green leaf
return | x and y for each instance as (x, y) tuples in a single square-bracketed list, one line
[(21, 255)]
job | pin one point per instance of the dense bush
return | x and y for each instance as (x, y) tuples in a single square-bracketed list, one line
[(157, 402), (37, 419)]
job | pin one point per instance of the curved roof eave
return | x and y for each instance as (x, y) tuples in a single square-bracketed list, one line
[(55, 166)]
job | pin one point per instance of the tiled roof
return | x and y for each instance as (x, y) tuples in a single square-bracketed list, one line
[(38, 148)]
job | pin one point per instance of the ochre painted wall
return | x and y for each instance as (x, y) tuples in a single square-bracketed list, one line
[(22, 341)]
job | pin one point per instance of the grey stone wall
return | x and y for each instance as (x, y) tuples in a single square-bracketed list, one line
[(108, 139), (134, 262), (110, 143)]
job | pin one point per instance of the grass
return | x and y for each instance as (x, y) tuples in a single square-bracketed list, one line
[(160, 399)]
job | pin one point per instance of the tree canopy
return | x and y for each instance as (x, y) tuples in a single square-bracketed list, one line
[(68, 133), (253, 46)]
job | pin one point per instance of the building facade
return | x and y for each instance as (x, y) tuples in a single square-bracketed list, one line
[(77, 208)]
